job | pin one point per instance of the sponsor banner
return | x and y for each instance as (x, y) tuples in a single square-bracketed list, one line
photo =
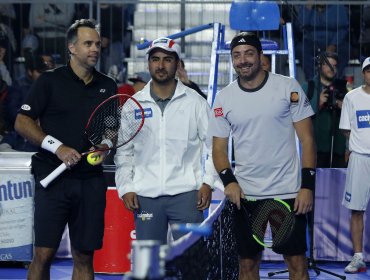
[(21, 253), (16, 215), (332, 219)]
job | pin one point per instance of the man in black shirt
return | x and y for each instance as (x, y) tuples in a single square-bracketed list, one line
[(53, 117)]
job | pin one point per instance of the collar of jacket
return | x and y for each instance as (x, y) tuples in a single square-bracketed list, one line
[(144, 94)]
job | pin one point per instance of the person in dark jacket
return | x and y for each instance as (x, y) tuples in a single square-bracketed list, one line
[(326, 94), (35, 65)]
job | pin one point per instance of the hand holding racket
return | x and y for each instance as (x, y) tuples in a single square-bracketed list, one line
[(277, 213), (234, 193), (113, 123)]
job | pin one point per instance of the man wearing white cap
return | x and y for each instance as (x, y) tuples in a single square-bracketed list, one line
[(159, 174), (355, 121)]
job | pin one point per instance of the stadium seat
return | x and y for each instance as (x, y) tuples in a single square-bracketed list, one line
[(254, 15)]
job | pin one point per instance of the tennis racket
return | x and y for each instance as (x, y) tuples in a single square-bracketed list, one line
[(275, 212), (115, 122)]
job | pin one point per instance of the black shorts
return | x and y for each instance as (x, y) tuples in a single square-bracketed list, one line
[(247, 247), (80, 203)]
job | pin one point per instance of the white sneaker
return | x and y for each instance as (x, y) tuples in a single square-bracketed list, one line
[(356, 265)]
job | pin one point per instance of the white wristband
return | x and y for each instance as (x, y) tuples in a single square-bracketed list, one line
[(107, 142), (51, 144)]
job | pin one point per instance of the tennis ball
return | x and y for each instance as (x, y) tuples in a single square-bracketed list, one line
[(94, 158)]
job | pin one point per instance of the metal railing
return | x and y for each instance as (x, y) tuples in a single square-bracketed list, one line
[(129, 22)]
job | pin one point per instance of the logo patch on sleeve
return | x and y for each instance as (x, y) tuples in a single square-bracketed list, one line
[(294, 97), (26, 107), (218, 112)]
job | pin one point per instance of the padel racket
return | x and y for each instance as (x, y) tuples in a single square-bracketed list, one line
[(115, 122), (275, 212)]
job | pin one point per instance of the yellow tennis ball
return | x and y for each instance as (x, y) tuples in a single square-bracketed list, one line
[(94, 159)]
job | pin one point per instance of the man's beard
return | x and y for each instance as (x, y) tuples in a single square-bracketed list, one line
[(253, 74), (327, 78), (165, 80)]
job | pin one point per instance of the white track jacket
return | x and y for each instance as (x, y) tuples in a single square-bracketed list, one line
[(165, 158)]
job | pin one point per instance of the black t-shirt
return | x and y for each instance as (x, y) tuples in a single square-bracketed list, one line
[(62, 103)]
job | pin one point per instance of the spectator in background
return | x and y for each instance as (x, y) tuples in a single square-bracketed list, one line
[(7, 14), (49, 21), (18, 92), (183, 76), (30, 43), (324, 28), (331, 144), (4, 73), (7, 22), (139, 80), (3, 96), (326, 94), (8, 47), (48, 61), (112, 56), (115, 40), (126, 88), (266, 62), (20, 25)]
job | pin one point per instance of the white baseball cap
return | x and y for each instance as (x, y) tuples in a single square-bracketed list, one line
[(366, 63), (166, 44)]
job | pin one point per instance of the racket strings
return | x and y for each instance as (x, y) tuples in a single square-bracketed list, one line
[(281, 223), (278, 216), (119, 111), (131, 121), (259, 221), (103, 124)]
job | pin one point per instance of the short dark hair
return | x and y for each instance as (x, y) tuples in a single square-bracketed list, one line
[(324, 55), (246, 38), (35, 62), (71, 35)]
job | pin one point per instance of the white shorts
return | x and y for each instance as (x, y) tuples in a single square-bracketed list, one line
[(357, 189)]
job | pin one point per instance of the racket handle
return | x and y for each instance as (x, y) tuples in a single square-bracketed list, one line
[(57, 171)]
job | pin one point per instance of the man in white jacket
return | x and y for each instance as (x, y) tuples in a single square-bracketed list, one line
[(159, 173)]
